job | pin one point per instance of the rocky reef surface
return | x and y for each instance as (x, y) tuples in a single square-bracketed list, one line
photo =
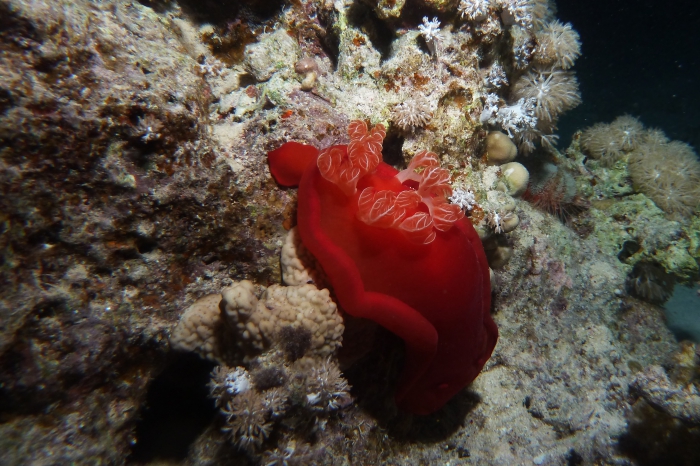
[(134, 140)]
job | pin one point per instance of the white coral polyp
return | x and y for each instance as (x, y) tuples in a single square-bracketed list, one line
[(412, 114), (474, 10), (430, 30), (328, 390), (497, 77), (515, 119), (495, 221), (464, 199), (237, 381), (555, 92)]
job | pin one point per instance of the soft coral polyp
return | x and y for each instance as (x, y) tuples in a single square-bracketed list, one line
[(398, 254)]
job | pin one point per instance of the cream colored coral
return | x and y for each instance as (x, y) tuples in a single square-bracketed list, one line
[(304, 306), (299, 267), (198, 328), (516, 178), (499, 148), (258, 322), (240, 305)]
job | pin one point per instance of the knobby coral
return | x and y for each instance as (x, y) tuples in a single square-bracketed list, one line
[(298, 266), (259, 323), (199, 328), (236, 324)]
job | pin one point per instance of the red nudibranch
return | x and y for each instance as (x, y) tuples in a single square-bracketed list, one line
[(397, 253)]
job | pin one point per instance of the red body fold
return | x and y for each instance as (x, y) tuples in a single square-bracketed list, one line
[(435, 296)]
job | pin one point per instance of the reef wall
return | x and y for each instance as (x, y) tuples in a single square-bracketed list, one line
[(134, 140)]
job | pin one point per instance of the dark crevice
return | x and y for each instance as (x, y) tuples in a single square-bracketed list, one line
[(177, 410), (84, 346), (49, 235), (145, 245), (159, 6), (629, 248), (649, 281), (234, 25), (392, 150), (655, 438), (220, 12), (380, 33), (246, 80), (573, 458), (330, 44)]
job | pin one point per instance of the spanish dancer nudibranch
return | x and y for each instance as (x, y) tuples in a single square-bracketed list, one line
[(397, 253)]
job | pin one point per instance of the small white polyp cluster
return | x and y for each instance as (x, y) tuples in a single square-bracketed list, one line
[(463, 198), (237, 381), (516, 118)]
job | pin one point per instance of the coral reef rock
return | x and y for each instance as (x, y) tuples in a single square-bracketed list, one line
[(144, 252)]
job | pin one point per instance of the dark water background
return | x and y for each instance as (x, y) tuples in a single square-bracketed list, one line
[(640, 57)]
